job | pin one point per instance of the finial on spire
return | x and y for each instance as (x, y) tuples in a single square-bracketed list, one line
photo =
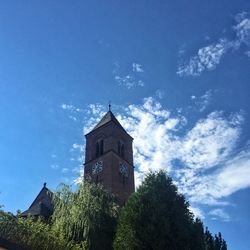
[(44, 184), (109, 105)]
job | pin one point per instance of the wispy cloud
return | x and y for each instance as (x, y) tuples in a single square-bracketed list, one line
[(198, 213), (54, 166), (136, 67), (159, 93), (65, 170), (209, 141), (242, 28), (202, 159), (219, 214), (203, 101), (73, 111), (77, 146), (70, 107), (96, 109), (131, 79), (247, 53), (208, 57)]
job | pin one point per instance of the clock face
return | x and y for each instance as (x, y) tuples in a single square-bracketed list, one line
[(123, 169), (97, 167)]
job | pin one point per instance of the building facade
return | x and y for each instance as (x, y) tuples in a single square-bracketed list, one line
[(109, 158)]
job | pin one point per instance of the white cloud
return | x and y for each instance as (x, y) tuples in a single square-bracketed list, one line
[(78, 146), (80, 159), (76, 170), (131, 78), (209, 141), (72, 118), (54, 166), (72, 111), (96, 109), (152, 128), (248, 53), (242, 29), (203, 101), (159, 93), (129, 81), (233, 176), (67, 106), (198, 213), (208, 57), (116, 68), (95, 112), (138, 178), (70, 107), (136, 67), (65, 170), (201, 159), (219, 213)]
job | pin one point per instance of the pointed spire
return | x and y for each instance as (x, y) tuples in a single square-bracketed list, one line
[(109, 105)]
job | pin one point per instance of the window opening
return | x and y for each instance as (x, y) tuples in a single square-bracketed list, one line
[(119, 148), (122, 151), (101, 147), (97, 149)]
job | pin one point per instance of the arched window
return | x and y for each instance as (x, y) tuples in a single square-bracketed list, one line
[(97, 149), (119, 148), (101, 147), (122, 150)]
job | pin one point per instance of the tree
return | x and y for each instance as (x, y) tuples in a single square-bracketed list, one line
[(157, 217), (82, 219), (87, 216), (219, 243), (32, 234), (197, 236), (214, 242)]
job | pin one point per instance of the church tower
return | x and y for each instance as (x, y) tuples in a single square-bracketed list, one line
[(109, 157)]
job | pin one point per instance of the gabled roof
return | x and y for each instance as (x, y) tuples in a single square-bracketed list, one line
[(42, 205), (38, 209), (108, 117)]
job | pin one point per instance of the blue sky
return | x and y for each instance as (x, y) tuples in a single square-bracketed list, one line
[(177, 74)]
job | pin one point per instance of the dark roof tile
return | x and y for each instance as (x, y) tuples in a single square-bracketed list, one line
[(108, 117)]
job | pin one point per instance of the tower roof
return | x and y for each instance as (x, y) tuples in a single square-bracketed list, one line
[(108, 117)]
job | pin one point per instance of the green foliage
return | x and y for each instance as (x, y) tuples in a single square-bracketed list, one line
[(214, 242), (31, 234), (158, 217), (84, 219), (88, 216), (155, 217)]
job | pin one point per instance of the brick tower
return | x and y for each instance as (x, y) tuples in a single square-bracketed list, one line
[(109, 157)]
